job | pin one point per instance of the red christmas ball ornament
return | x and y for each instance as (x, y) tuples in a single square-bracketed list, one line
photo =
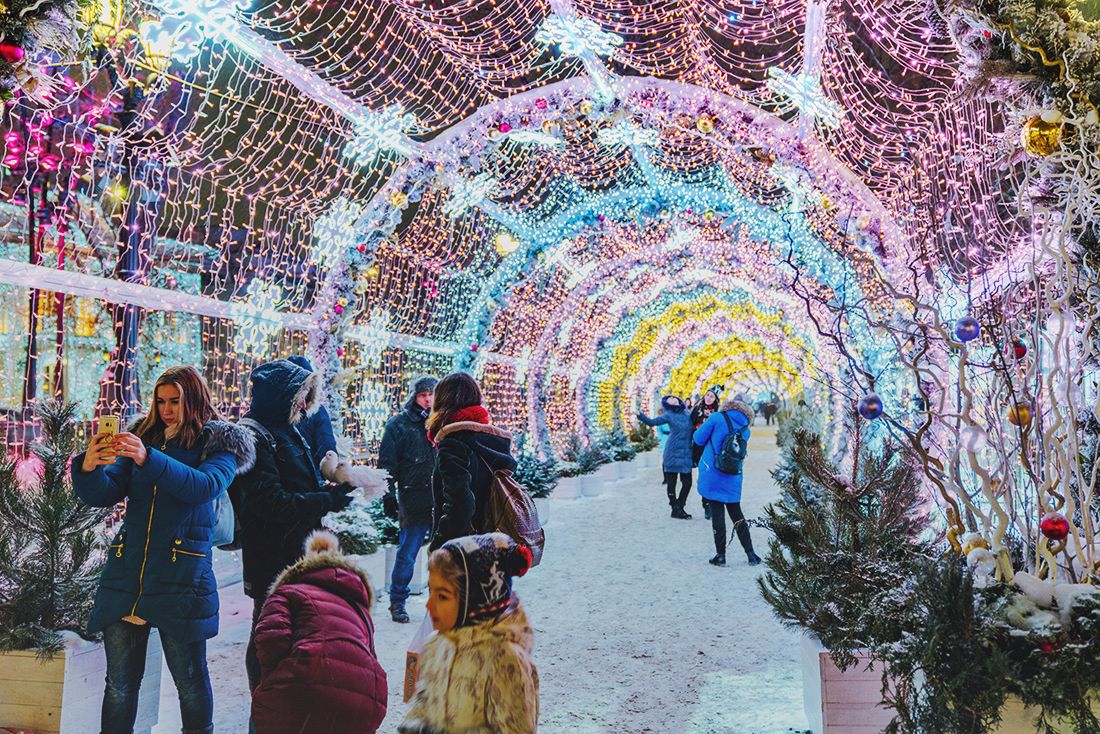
[(1054, 526), (338, 309), (339, 351), (473, 347), (362, 247), (1018, 349), (11, 54), (540, 103), (505, 127)]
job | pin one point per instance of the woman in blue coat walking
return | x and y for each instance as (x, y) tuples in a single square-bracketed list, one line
[(169, 469), (721, 488), (677, 460)]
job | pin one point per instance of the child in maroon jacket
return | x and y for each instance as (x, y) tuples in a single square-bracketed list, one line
[(315, 642)]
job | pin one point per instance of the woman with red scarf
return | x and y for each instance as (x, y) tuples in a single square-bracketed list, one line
[(470, 450)]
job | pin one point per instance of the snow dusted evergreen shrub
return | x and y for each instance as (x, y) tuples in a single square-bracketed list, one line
[(643, 437), (956, 650), (618, 447), (50, 552), (581, 458), (840, 539), (538, 476), (354, 527), (387, 529)]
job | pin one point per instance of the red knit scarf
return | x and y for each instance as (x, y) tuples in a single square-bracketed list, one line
[(474, 413)]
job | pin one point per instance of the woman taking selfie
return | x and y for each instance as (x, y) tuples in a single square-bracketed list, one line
[(169, 468)]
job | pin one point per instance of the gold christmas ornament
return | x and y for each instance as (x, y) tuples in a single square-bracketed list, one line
[(1041, 138), (705, 124), (372, 272), (972, 541), (1019, 415), (551, 127), (586, 107), (399, 200)]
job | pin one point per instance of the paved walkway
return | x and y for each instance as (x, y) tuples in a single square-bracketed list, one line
[(635, 632)]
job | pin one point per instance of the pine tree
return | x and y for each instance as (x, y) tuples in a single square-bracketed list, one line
[(840, 539), (50, 552)]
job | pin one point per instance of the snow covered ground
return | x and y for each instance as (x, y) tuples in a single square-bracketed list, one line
[(635, 632)]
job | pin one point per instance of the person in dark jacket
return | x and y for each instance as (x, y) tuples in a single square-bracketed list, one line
[(677, 455), (315, 642), (409, 457), (699, 414), (470, 450), (283, 498), (169, 467)]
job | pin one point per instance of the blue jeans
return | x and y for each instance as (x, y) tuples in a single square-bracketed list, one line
[(125, 645), (409, 541)]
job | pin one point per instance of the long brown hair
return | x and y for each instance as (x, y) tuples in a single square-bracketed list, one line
[(453, 393), (196, 407)]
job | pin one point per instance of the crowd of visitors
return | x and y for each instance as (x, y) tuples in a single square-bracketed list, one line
[(191, 479)]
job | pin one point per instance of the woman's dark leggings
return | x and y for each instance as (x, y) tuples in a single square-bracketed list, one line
[(670, 485), (718, 523)]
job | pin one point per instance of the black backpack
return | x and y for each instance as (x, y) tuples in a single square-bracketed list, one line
[(234, 490), (731, 455)]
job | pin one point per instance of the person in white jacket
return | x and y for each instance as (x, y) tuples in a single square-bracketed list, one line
[(477, 674)]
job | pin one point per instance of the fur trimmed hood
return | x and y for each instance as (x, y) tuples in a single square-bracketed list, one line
[(742, 407), (278, 390), (479, 679), (220, 436), (489, 430), (323, 552)]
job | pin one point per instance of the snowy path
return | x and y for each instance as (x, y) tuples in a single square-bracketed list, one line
[(635, 631)]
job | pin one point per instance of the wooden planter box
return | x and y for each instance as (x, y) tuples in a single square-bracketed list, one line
[(65, 695), (420, 570), (836, 702), (1016, 719), (850, 702)]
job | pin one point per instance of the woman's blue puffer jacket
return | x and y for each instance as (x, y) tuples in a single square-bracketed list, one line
[(159, 564)]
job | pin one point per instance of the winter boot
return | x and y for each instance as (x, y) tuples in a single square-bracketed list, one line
[(398, 614), (679, 514), (746, 543), (718, 560)]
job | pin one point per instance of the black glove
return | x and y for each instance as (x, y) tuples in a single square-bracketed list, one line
[(342, 488), (340, 502), (389, 505)]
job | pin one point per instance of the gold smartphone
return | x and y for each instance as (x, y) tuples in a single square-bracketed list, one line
[(108, 425)]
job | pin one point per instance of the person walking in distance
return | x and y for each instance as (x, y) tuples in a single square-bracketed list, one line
[(676, 462), (725, 439), (409, 457)]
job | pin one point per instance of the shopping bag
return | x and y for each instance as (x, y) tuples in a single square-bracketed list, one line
[(412, 657)]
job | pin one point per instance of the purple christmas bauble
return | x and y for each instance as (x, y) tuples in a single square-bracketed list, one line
[(967, 329), (870, 407)]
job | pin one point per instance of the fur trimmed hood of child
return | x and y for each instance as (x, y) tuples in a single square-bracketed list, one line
[(478, 679)]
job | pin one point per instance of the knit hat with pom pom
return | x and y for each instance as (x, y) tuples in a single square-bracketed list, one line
[(486, 565)]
